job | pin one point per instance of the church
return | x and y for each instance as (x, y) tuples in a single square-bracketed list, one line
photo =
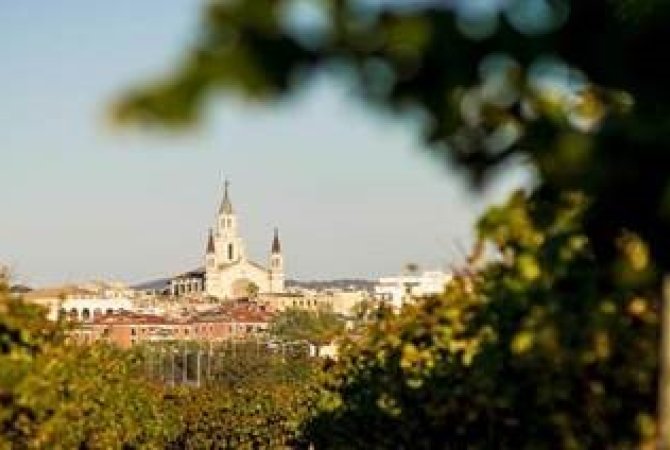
[(229, 273)]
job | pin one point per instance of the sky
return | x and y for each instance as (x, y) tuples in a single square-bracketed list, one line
[(353, 192)]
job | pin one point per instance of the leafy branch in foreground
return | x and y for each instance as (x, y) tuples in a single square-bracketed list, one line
[(528, 353)]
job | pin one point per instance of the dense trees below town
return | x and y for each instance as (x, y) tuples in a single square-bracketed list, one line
[(315, 328), (55, 394), (250, 416)]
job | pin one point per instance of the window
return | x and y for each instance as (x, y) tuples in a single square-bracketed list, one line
[(230, 252), (133, 331)]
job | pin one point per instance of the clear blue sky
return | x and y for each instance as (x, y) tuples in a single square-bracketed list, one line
[(353, 192)]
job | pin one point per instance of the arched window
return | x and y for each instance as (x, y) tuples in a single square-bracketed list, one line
[(230, 252), (85, 314)]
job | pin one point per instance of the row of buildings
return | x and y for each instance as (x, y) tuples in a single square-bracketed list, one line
[(234, 322)]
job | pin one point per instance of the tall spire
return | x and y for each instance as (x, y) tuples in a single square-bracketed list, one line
[(226, 205), (276, 245), (210, 243)]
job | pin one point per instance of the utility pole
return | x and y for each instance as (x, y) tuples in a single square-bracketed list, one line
[(197, 366), (162, 366), (147, 363), (173, 352), (184, 372), (664, 366), (209, 362)]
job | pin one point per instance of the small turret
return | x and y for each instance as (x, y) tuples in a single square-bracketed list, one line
[(210, 244), (276, 245), (210, 253)]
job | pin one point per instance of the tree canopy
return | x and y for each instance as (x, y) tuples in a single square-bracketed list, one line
[(314, 327)]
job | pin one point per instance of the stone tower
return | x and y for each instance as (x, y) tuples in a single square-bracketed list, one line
[(224, 247)]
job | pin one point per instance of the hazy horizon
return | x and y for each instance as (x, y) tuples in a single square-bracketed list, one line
[(353, 192)]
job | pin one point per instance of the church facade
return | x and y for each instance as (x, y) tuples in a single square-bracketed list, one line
[(229, 273)]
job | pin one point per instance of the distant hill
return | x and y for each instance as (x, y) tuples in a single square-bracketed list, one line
[(352, 284), (159, 284), (20, 289), (349, 284)]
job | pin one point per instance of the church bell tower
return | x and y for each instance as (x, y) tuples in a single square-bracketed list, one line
[(229, 247)]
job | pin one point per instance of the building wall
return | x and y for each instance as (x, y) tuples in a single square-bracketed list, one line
[(400, 289), (344, 303), (282, 302), (221, 284)]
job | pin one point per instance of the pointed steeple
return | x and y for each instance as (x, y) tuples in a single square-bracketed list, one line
[(276, 245), (210, 243), (226, 205)]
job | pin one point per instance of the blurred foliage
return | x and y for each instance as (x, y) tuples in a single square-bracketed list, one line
[(529, 353), (573, 88)]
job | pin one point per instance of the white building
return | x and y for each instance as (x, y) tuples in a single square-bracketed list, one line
[(229, 273), (398, 290), (77, 303), (86, 309)]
